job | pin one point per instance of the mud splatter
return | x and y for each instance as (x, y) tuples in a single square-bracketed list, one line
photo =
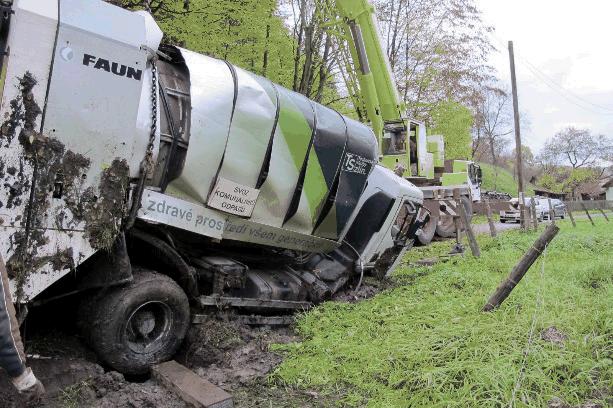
[(103, 219), (59, 173)]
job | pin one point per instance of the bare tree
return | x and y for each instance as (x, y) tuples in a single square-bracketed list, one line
[(493, 123), (437, 50), (314, 55), (577, 156), (577, 148)]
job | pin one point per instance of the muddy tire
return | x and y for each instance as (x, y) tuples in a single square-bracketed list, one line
[(427, 232), (135, 326), (445, 227)]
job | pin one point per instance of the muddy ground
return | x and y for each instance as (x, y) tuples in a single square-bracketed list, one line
[(229, 354)]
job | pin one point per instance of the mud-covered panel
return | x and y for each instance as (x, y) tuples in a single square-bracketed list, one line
[(358, 161), (212, 92), (289, 149), (66, 155), (252, 125)]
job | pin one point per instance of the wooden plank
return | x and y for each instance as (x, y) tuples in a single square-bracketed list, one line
[(472, 241), (518, 272), (535, 217), (552, 214), (588, 214), (603, 213), (572, 219), (490, 219), (194, 390)]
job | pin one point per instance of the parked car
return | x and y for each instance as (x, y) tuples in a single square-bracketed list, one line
[(559, 208), (513, 215)]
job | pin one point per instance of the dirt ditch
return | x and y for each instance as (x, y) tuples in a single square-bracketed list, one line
[(229, 354), (225, 352)]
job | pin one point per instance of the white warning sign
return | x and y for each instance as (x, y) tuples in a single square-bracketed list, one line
[(233, 198)]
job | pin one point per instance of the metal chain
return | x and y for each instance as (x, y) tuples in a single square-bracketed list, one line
[(537, 307), (146, 164), (154, 117)]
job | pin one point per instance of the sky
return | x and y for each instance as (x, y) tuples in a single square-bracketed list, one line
[(563, 59)]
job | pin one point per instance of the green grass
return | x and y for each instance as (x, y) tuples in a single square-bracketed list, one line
[(426, 343), (504, 183), (482, 219)]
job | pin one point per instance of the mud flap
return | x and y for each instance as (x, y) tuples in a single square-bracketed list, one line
[(106, 268)]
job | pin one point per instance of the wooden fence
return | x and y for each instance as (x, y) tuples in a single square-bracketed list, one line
[(500, 205), (589, 204)]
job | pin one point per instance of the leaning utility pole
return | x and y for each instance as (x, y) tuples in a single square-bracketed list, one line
[(520, 167)]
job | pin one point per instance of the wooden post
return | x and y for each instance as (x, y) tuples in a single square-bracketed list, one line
[(518, 149), (490, 220), (603, 213), (588, 214), (572, 219), (535, 217), (528, 217), (456, 217), (518, 272), (472, 241), (552, 214)]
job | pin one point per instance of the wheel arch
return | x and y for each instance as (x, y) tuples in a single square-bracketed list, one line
[(160, 256)]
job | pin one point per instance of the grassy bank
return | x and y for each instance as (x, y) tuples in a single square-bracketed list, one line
[(426, 342), (503, 182)]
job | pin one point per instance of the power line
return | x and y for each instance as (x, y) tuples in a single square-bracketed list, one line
[(565, 96), (554, 86), (545, 78)]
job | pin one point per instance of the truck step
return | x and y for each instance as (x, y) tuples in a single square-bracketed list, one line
[(223, 301), (250, 320)]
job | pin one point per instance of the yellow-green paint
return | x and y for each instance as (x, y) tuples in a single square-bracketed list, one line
[(315, 187), (454, 179), (460, 166), (389, 161), (295, 129), (328, 227), (438, 160)]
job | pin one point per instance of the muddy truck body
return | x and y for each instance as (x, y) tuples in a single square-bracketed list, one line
[(151, 181)]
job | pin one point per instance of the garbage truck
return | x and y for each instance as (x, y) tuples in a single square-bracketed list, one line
[(151, 181)]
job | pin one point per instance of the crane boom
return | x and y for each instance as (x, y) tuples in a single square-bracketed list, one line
[(362, 22), (402, 140)]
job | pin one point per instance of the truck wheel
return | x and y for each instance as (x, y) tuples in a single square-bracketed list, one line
[(427, 232), (140, 324), (446, 227)]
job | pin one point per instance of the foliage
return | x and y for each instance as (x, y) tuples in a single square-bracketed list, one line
[(437, 51), (426, 342), (576, 148), (248, 33), (526, 155), (567, 179), (454, 121), (499, 179)]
